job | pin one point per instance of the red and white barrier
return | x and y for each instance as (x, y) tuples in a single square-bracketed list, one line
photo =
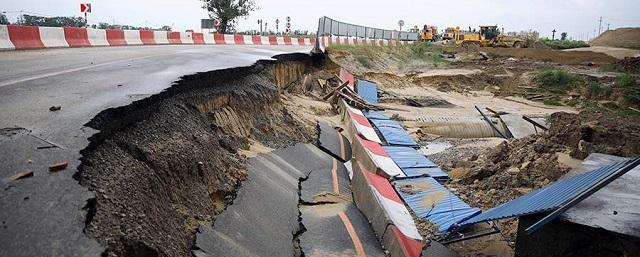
[(375, 158), (30, 37), (347, 77), (361, 125)]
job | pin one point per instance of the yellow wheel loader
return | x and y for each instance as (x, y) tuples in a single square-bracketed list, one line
[(489, 36)]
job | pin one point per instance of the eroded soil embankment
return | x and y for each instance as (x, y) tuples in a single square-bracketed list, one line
[(163, 165)]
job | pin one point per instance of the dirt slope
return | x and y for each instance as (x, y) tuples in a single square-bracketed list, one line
[(622, 37)]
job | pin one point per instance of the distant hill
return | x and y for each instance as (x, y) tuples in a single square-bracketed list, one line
[(622, 37)]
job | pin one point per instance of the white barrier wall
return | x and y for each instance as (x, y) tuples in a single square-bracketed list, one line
[(208, 39), (97, 37), (5, 42), (53, 37), (161, 37), (185, 38), (132, 37), (228, 39)]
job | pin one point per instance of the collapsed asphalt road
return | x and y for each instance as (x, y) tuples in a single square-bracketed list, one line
[(45, 214)]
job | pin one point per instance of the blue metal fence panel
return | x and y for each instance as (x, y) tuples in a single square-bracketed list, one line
[(407, 157), (413, 163), (434, 172), (376, 115), (368, 90), (430, 200), (393, 133), (547, 198)]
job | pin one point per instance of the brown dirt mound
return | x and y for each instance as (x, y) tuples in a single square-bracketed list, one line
[(517, 166), (629, 64), (622, 37), (551, 55)]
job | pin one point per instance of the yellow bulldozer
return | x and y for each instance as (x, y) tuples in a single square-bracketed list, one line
[(429, 33), (489, 36), (451, 33)]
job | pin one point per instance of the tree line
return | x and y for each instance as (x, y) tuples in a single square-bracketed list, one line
[(64, 21)]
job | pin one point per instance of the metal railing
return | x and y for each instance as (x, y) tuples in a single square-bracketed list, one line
[(328, 27)]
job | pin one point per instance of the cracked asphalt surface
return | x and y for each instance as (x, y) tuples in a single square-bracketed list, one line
[(42, 215)]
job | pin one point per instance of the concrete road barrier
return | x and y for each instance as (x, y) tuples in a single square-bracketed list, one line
[(97, 37), (389, 218), (399, 244), (76, 37), (115, 37), (14, 37)]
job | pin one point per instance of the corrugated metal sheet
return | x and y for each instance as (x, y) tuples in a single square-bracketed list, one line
[(430, 200), (376, 115), (393, 133), (368, 90), (547, 198), (413, 163), (434, 172), (407, 157)]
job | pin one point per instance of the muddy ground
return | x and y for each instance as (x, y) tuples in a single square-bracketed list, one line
[(435, 99)]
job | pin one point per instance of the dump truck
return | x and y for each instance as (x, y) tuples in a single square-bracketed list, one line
[(489, 36), (451, 33)]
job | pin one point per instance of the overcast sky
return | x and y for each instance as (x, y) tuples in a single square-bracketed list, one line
[(577, 17)]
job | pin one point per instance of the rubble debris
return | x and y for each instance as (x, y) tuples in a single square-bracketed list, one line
[(58, 166), (55, 108), (517, 166)]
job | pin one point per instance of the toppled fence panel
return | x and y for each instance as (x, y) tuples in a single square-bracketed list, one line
[(368, 90), (413, 163), (430, 200), (393, 133)]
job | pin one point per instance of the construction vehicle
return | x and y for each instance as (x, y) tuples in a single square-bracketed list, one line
[(429, 33), (451, 33), (489, 36)]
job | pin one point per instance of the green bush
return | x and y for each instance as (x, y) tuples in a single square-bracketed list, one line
[(556, 80), (630, 88), (596, 91), (562, 44)]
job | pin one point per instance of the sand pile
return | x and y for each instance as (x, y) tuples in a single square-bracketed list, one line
[(622, 37)]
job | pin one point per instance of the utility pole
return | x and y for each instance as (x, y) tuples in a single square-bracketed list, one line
[(553, 35), (608, 26), (260, 22), (600, 26), (277, 22)]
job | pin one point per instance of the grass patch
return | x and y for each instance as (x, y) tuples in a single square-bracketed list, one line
[(630, 88), (409, 55), (596, 91), (552, 101), (562, 44), (556, 80)]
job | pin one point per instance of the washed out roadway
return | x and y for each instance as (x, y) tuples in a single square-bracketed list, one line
[(42, 215)]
